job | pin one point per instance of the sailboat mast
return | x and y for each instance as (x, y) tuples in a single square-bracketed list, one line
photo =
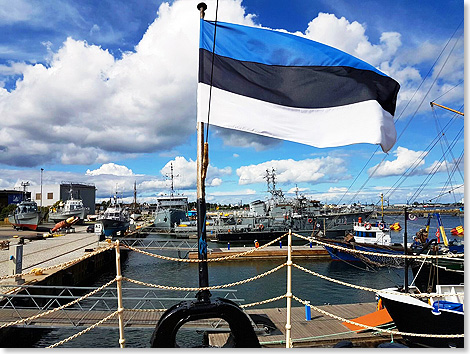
[(201, 203)]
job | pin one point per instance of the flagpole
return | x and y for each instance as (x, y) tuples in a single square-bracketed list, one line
[(202, 163), (405, 248)]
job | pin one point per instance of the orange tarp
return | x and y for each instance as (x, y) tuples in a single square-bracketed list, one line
[(375, 318)]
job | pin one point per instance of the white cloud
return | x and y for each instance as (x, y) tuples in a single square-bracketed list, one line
[(406, 159), (351, 38), (111, 169), (143, 102), (216, 182), (293, 190), (291, 171), (241, 192)]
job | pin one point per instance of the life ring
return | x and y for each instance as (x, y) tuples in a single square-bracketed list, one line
[(310, 221), (381, 226), (239, 221), (261, 227), (367, 225), (286, 217)]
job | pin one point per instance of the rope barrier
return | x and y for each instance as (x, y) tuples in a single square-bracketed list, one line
[(376, 328), (259, 276), (58, 308), (84, 331), (369, 289), (264, 301), (61, 265), (254, 249), (380, 254)]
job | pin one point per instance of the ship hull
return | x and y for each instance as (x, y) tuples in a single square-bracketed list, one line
[(167, 219), (29, 221), (111, 227), (415, 316), (340, 255), (57, 217)]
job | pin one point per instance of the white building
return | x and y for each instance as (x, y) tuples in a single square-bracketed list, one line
[(52, 193)]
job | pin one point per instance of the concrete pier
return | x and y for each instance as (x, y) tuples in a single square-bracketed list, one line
[(45, 252)]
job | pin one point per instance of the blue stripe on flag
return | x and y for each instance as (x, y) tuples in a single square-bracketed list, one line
[(270, 47)]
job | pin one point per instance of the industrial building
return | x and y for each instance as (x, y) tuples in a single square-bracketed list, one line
[(12, 196)]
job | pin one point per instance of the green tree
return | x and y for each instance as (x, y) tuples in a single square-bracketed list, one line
[(7, 211)]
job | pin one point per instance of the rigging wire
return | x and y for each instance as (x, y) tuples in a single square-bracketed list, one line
[(411, 168), (400, 115), (442, 143), (455, 168), (436, 167), (445, 137), (445, 93), (212, 70)]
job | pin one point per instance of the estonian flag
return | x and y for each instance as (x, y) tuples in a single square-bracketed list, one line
[(288, 87)]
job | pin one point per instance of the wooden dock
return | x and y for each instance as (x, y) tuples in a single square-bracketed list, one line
[(270, 252), (320, 331)]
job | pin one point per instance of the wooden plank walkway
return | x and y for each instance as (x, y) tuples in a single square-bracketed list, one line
[(321, 331), (270, 252)]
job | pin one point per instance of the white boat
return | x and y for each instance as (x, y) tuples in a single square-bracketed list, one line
[(71, 208), (26, 215), (441, 313), (372, 233), (115, 219)]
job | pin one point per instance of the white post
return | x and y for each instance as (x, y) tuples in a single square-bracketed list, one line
[(122, 341), (289, 289)]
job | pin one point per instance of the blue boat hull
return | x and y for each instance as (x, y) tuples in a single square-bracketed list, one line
[(340, 255), (111, 227)]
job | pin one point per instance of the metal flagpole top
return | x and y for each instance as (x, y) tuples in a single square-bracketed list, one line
[(202, 7)]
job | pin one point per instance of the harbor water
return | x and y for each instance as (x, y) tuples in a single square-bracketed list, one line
[(305, 286)]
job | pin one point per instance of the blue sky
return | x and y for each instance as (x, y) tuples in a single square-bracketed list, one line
[(104, 92)]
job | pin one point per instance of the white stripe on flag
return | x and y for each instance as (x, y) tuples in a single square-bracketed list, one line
[(364, 122)]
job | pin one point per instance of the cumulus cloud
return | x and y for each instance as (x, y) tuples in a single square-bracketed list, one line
[(405, 159), (143, 102), (409, 162), (330, 30), (326, 169), (111, 169)]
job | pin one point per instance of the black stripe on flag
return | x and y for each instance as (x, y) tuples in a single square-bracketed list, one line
[(299, 86)]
